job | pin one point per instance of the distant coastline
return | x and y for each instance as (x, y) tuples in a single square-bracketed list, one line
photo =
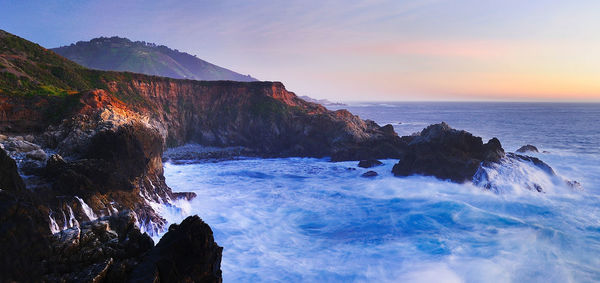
[(323, 102)]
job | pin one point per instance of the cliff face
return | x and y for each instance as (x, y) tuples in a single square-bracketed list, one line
[(90, 142), (262, 116)]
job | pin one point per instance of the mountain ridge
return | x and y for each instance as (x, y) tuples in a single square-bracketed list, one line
[(122, 54)]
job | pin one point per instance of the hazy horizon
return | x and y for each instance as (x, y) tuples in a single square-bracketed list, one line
[(428, 50)]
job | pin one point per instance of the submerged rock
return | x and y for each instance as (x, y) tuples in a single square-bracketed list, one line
[(527, 148), (446, 153), (574, 185), (368, 163), (369, 174)]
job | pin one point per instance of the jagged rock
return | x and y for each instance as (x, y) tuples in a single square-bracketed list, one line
[(29, 138), (9, 176), (88, 253), (536, 161), (23, 226), (369, 174), (369, 163), (187, 253), (184, 195), (67, 238), (446, 153), (527, 148), (55, 164)]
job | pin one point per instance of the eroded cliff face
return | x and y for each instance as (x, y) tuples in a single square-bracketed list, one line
[(262, 116), (99, 152)]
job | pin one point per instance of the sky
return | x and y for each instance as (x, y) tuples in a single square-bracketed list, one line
[(350, 50)]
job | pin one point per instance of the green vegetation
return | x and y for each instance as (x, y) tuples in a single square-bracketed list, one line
[(49, 90), (267, 107), (62, 106), (30, 69), (122, 54)]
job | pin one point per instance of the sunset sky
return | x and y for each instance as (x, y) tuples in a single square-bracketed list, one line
[(356, 50)]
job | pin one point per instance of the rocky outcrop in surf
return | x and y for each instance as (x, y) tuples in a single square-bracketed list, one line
[(446, 153), (90, 144), (527, 148)]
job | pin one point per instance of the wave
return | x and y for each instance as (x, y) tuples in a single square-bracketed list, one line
[(304, 219)]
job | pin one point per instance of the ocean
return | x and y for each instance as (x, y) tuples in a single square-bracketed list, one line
[(311, 220)]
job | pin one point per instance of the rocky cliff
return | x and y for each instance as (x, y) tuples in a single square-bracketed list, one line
[(89, 144)]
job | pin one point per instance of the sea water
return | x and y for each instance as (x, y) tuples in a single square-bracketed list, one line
[(311, 220)]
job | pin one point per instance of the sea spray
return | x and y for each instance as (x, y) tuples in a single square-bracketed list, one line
[(303, 219), (87, 210), (53, 226), (72, 220), (65, 223)]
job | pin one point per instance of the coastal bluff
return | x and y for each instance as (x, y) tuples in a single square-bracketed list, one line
[(81, 152)]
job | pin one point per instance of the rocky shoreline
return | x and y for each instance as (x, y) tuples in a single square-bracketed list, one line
[(82, 171)]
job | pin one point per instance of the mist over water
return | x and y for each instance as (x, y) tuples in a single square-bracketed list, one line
[(304, 219)]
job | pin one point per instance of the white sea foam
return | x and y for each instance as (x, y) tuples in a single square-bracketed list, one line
[(72, 220), (298, 219), (53, 226), (87, 210)]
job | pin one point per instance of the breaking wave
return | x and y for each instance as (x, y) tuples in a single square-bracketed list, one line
[(303, 219)]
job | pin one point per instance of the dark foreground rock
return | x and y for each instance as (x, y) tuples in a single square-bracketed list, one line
[(187, 253), (23, 226), (527, 148), (104, 250), (368, 163), (109, 249), (446, 153)]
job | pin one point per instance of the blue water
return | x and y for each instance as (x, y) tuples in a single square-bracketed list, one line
[(310, 220)]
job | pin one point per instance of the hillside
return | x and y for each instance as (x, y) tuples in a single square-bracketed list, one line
[(122, 54)]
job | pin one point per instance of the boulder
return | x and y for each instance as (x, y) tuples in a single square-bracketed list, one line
[(37, 154), (9, 176), (187, 253), (368, 163), (446, 153), (20, 145), (527, 148), (24, 227)]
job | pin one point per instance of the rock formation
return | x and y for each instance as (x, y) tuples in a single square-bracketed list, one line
[(368, 163), (446, 153), (527, 148), (187, 253), (91, 142)]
